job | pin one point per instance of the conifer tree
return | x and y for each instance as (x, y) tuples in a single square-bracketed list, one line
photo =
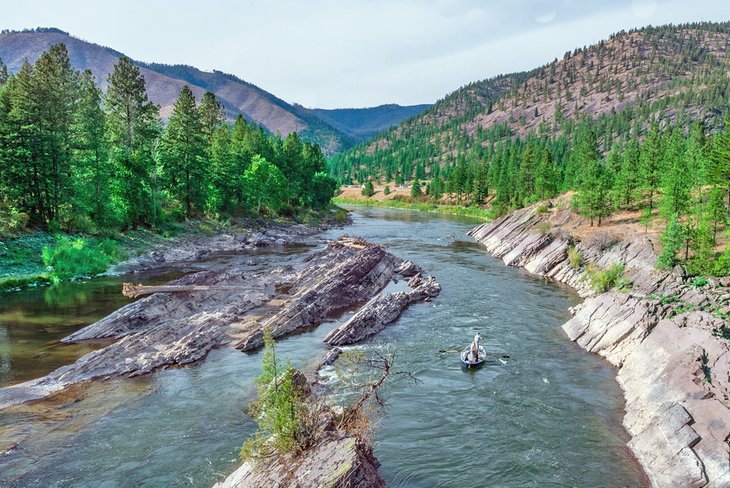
[(55, 91), (650, 161), (672, 240), (3, 73), (627, 179), (676, 180), (91, 168), (416, 188), (212, 116), (132, 127), (183, 151)]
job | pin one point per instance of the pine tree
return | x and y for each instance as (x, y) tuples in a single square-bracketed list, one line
[(132, 127), (416, 188), (718, 170), (91, 168), (627, 179), (183, 151), (225, 174), (3, 73), (672, 240), (650, 161), (368, 190), (212, 116), (55, 90), (676, 180)]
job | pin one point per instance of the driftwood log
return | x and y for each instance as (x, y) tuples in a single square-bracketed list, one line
[(133, 291)]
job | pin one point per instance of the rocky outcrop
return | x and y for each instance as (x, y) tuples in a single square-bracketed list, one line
[(382, 310), (338, 462), (663, 332), (248, 236), (181, 328)]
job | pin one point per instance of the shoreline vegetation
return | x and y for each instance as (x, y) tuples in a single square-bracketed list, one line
[(38, 258), (82, 179), (421, 206)]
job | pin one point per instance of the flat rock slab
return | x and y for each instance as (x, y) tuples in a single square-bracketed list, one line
[(339, 463)]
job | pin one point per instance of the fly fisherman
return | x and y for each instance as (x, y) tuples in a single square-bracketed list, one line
[(475, 347)]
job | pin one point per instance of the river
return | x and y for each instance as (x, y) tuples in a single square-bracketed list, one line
[(541, 413)]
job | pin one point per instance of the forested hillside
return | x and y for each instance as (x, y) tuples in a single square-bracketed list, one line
[(78, 159), (363, 123), (632, 123), (164, 83)]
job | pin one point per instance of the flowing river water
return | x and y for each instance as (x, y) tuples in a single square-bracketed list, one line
[(542, 412)]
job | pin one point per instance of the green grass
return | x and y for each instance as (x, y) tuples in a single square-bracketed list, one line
[(11, 283), (479, 213)]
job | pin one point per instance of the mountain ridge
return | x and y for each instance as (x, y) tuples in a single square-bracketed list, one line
[(672, 72), (164, 83)]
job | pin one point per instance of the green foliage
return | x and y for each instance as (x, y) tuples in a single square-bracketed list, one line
[(672, 241), (386, 190), (264, 185), (75, 159), (604, 280), (280, 409), (416, 189), (698, 281), (368, 190), (575, 258), (77, 257)]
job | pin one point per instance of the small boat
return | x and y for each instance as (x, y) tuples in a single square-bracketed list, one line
[(468, 359)]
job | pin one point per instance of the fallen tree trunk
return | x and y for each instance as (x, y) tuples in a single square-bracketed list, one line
[(133, 291)]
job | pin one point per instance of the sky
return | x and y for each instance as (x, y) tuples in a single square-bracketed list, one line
[(353, 53)]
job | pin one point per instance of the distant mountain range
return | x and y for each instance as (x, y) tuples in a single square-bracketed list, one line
[(672, 73), (335, 130)]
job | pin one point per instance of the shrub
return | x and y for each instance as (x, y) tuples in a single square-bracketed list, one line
[(543, 228), (69, 258), (340, 216), (604, 280), (698, 281), (575, 258), (386, 190), (11, 219), (541, 209)]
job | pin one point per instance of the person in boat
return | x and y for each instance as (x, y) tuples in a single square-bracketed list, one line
[(474, 352)]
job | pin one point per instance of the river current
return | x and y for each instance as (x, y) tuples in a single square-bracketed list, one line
[(542, 412)]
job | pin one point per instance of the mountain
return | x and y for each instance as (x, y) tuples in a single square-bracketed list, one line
[(164, 82), (670, 73), (363, 123)]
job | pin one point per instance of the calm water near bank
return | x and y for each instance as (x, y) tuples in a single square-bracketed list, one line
[(549, 414)]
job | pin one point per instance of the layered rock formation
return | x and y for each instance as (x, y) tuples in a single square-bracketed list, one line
[(338, 462), (168, 329), (664, 333)]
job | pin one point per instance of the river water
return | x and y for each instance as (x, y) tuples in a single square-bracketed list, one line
[(541, 413)]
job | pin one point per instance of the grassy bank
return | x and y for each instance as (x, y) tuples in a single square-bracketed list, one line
[(479, 213), (38, 258)]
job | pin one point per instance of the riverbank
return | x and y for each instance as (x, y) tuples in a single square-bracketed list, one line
[(478, 213), (666, 334), (22, 265)]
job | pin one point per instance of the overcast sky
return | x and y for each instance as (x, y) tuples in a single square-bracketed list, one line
[(353, 53)]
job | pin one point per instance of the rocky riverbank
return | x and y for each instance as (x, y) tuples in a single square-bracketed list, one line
[(182, 327), (666, 334)]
